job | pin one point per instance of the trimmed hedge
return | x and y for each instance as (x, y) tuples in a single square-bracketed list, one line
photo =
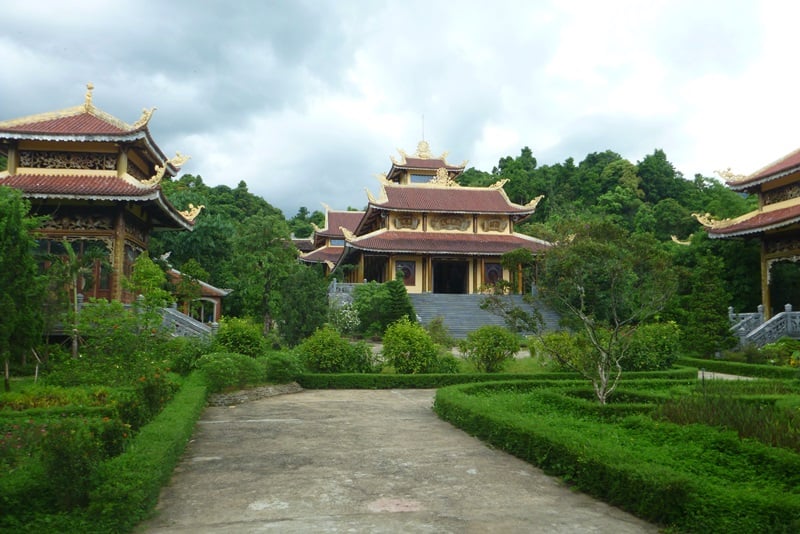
[(741, 369), (431, 381), (128, 486), (690, 478)]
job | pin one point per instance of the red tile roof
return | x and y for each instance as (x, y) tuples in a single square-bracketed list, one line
[(323, 254), (206, 289), (445, 243), (336, 219), (81, 124), (303, 244), (759, 221), (75, 186), (450, 199), (422, 163), (782, 167)]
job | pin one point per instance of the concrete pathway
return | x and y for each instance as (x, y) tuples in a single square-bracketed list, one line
[(362, 461)]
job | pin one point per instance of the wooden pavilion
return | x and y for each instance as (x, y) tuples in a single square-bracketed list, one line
[(776, 222), (96, 179)]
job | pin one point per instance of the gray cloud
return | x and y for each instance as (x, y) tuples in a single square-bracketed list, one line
[(306, 100)]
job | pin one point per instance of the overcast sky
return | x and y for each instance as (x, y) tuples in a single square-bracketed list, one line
[(306, 100)]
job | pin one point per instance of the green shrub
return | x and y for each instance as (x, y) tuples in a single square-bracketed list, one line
[(439, 333), (282, 367), (781, 352), (127, 486), (489, 348), (230, 370), (653, 346), (241, 336), (379, 305), (184, 353), (408, 348), (326, 351), (72, 450), (344, 319), (446, 363), (109, 329)]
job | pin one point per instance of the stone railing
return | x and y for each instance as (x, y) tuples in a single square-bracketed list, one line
[(784, 324), (176, 323), (744, 323), (340, 293), (181, 325)]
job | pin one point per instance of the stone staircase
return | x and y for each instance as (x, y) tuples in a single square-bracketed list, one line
[(462, 313)]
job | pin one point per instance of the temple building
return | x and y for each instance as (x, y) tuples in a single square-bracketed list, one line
[(327, 243), (776, 222), (96, 179), (441, 237)]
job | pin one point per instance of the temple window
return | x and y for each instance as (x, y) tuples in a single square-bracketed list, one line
[(337, 242), (420, 178)]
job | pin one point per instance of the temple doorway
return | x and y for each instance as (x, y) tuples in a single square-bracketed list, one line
[(450, 276), (375, 268)]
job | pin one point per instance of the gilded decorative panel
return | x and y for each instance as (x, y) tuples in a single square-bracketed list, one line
[(495, 224), (781, 246), (450, 222), (406, 222), (78, 222)]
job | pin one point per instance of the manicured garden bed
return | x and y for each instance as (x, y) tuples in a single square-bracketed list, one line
[(693, 478)]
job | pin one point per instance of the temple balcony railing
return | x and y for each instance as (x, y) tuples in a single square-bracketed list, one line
[(744, 323), (784, 324)]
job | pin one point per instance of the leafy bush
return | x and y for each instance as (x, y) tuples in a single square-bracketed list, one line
[(489, 348), (282, 367), (782, 352), (184, 353), (111, 330), (326, 351), (240, 336), (653, 346), (344, 318), (379, 305), (408, 348), (230, 370), (439, 333), (446, 363)]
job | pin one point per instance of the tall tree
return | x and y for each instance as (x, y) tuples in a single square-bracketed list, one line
[(21, 286), (606, 282)]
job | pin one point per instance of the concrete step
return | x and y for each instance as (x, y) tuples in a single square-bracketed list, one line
[(462, 314)]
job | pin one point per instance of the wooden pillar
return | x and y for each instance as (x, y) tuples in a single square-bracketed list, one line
[(118, 259), (765, 300)]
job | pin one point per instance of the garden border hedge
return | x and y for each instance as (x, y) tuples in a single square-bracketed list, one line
[(654, 492), (741, 369)]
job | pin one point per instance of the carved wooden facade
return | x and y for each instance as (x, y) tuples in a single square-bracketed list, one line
[(96, 180)]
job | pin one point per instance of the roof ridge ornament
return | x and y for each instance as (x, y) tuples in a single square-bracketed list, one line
[(535, 202), (423, 150), (686, 243), (192, 212), (144, 119), (729, 176), (87, 105), (443, 178), (499, 184), (177, 161), (708, 220), (348, 235)]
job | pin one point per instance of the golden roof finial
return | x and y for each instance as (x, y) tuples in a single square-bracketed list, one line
[(177, 161), (499, 184), (348, 235), (88, 103), (192, 212), (423, 150), (686, 243)]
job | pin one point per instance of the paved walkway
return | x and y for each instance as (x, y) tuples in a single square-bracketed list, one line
[(362, 461)]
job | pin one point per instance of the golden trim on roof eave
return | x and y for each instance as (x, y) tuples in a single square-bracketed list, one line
[(708, 221)]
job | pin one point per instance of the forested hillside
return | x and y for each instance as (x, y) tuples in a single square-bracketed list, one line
[(242, 241)]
